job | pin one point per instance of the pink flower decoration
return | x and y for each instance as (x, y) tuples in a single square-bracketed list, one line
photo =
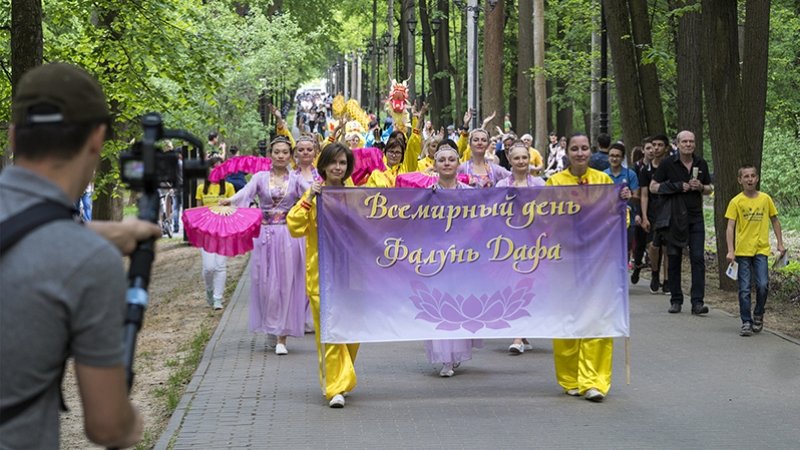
[(472, 313)]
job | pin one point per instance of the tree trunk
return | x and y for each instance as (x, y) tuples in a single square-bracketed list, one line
[(648, 77), (409, 50), (626, 76), (492, 83), (26, 44), (690, 82), (754, 75), (726, 116), (539, 84), (524, 65), (445, 70)]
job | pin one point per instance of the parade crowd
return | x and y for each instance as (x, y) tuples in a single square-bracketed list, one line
[(59, 121)]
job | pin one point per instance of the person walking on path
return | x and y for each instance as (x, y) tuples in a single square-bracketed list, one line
[(215, 270), (277, 272), (683, 181), (337, 372), (583, 366), (747, 216)]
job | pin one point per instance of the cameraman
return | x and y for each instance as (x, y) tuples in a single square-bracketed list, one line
[(63, 284)]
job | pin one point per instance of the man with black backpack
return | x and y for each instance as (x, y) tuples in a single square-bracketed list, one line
[(63, 283)]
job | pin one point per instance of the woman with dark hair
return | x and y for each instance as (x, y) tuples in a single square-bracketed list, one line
[(277, 272), (337, 373), (583, 366), (215, 270), (400, 155)]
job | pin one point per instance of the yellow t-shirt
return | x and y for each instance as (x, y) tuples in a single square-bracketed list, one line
[(213, 197), (752, 223), (566, 178), (536, 157)]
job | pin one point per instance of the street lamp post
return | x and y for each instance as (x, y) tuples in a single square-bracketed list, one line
[(411, 23), (473, 9)]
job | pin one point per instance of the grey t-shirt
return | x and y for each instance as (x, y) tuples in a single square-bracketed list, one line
[(63, 294)]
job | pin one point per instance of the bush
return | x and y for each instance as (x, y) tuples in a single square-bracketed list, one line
[(780, 173), (785, 283)]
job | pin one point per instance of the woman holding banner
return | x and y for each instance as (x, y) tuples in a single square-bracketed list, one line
[(449, 352), (337, 372), (583, 366), (520, 158)]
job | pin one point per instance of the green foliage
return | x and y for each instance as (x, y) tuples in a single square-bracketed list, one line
[(780, 173), (785, 283), (783, 99)]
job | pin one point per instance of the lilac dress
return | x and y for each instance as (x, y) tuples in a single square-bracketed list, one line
[(451, 351), (509, 182), (495, 174), (277, 271)]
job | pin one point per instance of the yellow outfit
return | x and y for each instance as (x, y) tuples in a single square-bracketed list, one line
[(535, 157), (463, 146), (337, 372), (425, 164), (387, 178), (213, 197), (752, 223), (583, 363)]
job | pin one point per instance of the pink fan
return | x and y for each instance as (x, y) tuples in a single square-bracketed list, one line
[(367, 160), (225, 230), (246, 163), (421, 180)]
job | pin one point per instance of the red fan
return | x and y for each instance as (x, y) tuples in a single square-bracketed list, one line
[(225, 230), (367, 160), (247, 163), (421, 180)]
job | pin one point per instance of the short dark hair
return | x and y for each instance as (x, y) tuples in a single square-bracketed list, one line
[(396, 139), (618, 146), (59, 140), (575, 135), (661, 137), (234, 150), (212, 135), (603, 140), (647, 140), (746, 166), (329, 155)]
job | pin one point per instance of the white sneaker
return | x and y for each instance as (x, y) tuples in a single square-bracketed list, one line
[(526, 345), (573, 392), (516, 349), (593, 395), (280, 349), (447, 371), (337, 401), (217, 304)]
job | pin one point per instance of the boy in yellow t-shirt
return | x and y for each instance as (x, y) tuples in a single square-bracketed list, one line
[(747, 215)]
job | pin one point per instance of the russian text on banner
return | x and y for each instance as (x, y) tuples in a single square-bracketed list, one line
[(412, 264)]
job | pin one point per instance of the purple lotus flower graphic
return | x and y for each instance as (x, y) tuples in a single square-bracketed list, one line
[(472, 313)]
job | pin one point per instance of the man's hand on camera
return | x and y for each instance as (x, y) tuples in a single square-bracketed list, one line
[(126, 234)]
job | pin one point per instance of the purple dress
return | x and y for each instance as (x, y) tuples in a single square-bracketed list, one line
[(494, 174), (277, 270), (509, 181), (451, 351)]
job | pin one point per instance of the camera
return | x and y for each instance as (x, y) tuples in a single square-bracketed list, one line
[(146, 166)]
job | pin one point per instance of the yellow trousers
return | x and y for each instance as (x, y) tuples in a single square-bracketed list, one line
[(584, 363), (337, 372)]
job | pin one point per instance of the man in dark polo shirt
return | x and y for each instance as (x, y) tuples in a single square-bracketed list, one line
[(683, 181)]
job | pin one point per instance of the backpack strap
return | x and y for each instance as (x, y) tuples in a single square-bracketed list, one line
[(16, 227), (13, 230)]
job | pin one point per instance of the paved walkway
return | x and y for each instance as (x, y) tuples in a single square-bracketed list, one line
[(695, 384)]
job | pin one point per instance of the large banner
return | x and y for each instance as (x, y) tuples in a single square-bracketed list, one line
[(411, 264)]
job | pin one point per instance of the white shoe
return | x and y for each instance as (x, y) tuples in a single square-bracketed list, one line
[(516, 349), (280, 349), (593, 395), (217, 304), (447, 371), (526, 345), (573, 392), (337, 401)]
